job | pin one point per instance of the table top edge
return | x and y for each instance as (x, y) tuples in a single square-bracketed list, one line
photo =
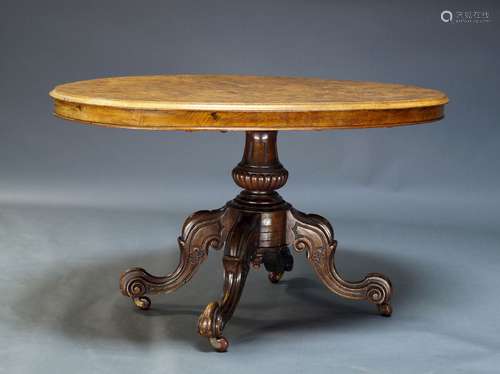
[(255, 107)]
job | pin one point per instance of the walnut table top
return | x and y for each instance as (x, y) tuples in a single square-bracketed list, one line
[(232, 102)]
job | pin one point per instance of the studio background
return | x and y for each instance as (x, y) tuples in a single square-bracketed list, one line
[(79, 204)]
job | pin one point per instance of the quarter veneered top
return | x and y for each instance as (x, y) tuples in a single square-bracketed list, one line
[(231, 102)]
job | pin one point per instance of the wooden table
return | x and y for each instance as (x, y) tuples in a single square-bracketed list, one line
[(257, 227)]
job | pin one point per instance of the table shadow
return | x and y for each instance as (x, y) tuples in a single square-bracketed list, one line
[(83, 301)]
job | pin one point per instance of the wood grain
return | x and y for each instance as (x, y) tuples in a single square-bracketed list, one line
[(225, 102)]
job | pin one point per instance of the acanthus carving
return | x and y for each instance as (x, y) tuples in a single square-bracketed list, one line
[(314, 234), (201, 231)]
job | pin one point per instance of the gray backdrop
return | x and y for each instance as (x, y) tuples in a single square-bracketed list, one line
[(78, 204)]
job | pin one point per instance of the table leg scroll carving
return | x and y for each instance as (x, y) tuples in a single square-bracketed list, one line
[(201, 231), (314, 234), (240, 245)]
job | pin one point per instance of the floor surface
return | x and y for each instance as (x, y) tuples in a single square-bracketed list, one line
[(62, 312)]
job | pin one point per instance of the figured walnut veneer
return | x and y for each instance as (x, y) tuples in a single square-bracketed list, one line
[(232, 102)]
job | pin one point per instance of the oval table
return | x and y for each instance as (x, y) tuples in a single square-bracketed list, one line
[(257, 227)]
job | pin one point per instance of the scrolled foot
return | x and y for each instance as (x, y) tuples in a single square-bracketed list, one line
[(379, 291), (210, 326), (275, 277), (207, 322), (134, 284)]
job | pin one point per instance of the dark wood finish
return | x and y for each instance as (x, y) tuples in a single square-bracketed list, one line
[(260, 169), (314, 234), (257, 227), (240, 247), (201, 231)]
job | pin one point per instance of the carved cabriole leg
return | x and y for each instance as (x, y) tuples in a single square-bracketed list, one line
[(201, 230), (314, 234), (240, 246)]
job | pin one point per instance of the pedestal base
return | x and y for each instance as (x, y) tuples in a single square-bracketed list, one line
[(242, 233), (256, 228)]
